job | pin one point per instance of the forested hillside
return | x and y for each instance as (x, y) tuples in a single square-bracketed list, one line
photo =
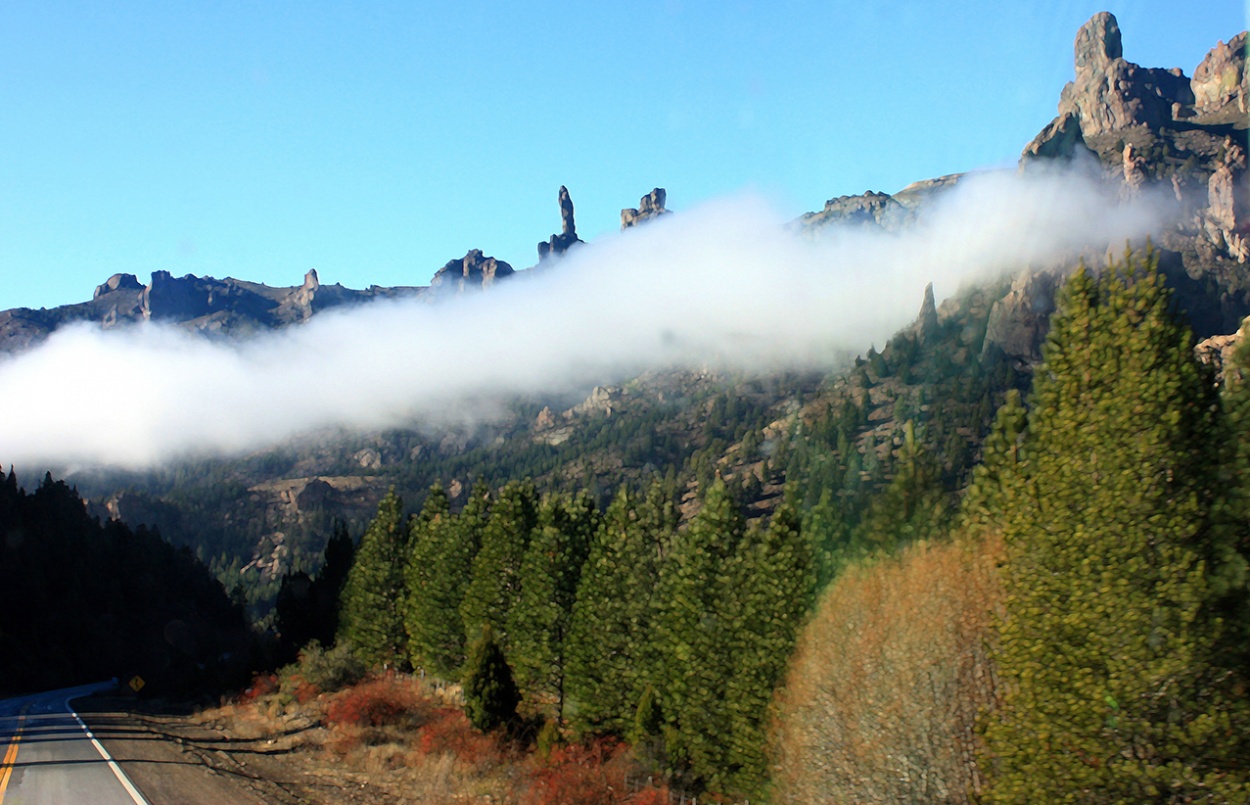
[(83, 602)]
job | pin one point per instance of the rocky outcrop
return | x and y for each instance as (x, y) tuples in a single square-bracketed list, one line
[(872, 209), (472, 272), (1227, 217), (1018, 322), (1220, 83), (926, 325), (1061, 139), (602, 400), (559, 244), (1110, 93), (880, 210), (1217, 351), (649, 206), (118, 282)]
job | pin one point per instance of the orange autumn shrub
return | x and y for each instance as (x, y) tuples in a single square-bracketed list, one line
[(889, 679)]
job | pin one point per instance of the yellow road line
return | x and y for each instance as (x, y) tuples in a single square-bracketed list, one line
[(10, 757)]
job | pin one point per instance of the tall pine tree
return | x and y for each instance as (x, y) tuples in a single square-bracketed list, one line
[(495, 581), (697, 621), (773, 577), (611, 653), (550, 571), (370, 611), (439, 564), (1110, 645)]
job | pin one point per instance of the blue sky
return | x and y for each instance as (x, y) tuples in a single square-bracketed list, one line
[(376, 141)]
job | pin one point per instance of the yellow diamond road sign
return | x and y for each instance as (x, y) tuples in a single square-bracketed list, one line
[(136, 683)]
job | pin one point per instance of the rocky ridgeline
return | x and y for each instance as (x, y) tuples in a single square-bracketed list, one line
[(201, 304), (231, 307), (1146, 130)]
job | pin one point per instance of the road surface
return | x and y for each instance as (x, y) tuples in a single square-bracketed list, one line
[(49, 755)]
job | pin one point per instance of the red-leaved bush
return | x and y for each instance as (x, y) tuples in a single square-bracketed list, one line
[(652, 796), (591, 774), (448, 732), (262, 685), (384, 701)]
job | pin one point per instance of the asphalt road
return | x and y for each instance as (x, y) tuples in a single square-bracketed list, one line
[(50, 757)]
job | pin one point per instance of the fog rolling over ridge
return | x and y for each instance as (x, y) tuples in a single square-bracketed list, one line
[(727, 285)]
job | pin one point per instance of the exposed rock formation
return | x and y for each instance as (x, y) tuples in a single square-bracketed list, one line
[(474, 271), (1227, 223), (1218, 350), (649, 206), (874, 209), (1110, 93), (1221, 82), (926, 325), (201, 304), (1061, 139), (559, 244), (1134, 170), (1019, 321), (118, 282), (602, 400)]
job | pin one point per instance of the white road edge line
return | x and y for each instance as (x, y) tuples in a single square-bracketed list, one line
[(121, 775)]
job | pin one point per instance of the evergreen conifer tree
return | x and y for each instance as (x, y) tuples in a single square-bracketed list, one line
[(370, 610), (550, 571), (698, 616), (495, 582), (773, 577), (611, 642), (490, 693), (1110, 643)]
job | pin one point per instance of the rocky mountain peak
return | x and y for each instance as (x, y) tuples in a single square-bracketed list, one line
[(649, 206), (1110, 93), (474, 271), (118, 282), (559, 244), (1098, 43)]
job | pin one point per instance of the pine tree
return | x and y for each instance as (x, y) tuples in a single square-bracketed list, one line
[(1110, 643), (992, 490), (495, 582), (698, 616), (436, 572), (611, 642), (912, 507), (550, 571), (773, 577), (370, 610), (490, 693)]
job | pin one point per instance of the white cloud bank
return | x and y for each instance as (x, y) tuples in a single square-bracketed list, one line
[(726, 284)]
